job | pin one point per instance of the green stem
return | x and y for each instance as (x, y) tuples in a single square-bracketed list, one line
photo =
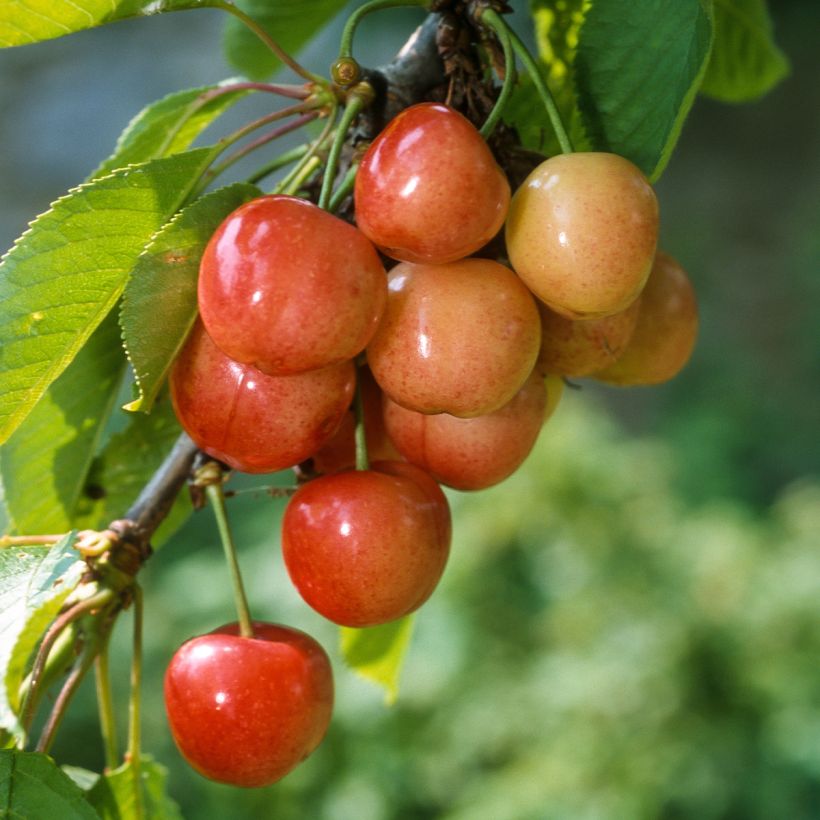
[(540, 86), (362, 459), (280, 162), (359, 97), (346, 45), (105, 704), (271, 44), (315, 147), (501, 30), (135, 704), (345, 187), (217, 499), (305, 173), (29, 540)]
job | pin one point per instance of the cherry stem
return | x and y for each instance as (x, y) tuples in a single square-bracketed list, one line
[(537, 79), (358, 98), (282, 113), (280, 162), (105, 705), (304, 119), (135, 703), (502, 31), (346, 45), (345, 187), (271, 44), (72, 682), (304, 174), (360, 434), (217, 498), (29, 540)]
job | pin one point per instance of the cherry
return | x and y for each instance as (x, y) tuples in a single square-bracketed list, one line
[(246, 711), (340, 452), (428, 189), (365, 547), (253, 422), (582, 231), (474, 453), (665, 334), (459, 338), (581, 346), (287, 287)]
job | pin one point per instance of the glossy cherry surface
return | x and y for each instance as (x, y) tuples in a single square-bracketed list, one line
[(578, 347), (428, 189), (287, 287), (666, 331), (366, 547), (474, 453), (253, 422), (582, 231), (246, 711), (459, 338)]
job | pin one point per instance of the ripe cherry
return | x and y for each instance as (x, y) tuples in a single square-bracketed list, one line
[(287, 287), (365, 547), (474, 453), (459, 338), (665, 334), (246, 711), (253, 422), (582, 231), (578, 347), (428, 189)]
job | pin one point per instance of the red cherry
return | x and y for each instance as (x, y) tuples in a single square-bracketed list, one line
[(459, 338), (253, 422), (287, 287), (365, 547), (246, 711), (474, 453), (428, 189)]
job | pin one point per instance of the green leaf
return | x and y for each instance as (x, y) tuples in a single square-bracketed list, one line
[(125, 465), (637, 69), (84, 778), (67, 271), (291, 23), (45, 462), (34, 582), (22, 23), (169, 125), (745, 62), (557, 23), (128, 794), (160, 306), (377, 653), (34, 788)]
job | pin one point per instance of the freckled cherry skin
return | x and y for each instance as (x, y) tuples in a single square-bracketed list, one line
[(429, 189), (287, 287), (365, 547), (666, 331), (340, 452), (578, 347), (459, 338), (471, 454), (582, 232), (253, 422), (246, 711)]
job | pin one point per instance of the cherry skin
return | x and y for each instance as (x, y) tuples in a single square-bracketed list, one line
[(246, 711), (365, 547), (578, 347), (253, 422), (287, 287), (340, 452), (428, 189), (459, 338), (474, 453), (582, 231), (666, 331)]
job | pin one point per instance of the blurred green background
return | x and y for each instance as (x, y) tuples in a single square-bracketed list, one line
[(630, 626)]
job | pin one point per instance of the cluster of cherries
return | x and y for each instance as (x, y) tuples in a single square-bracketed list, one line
[(464, 363)]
